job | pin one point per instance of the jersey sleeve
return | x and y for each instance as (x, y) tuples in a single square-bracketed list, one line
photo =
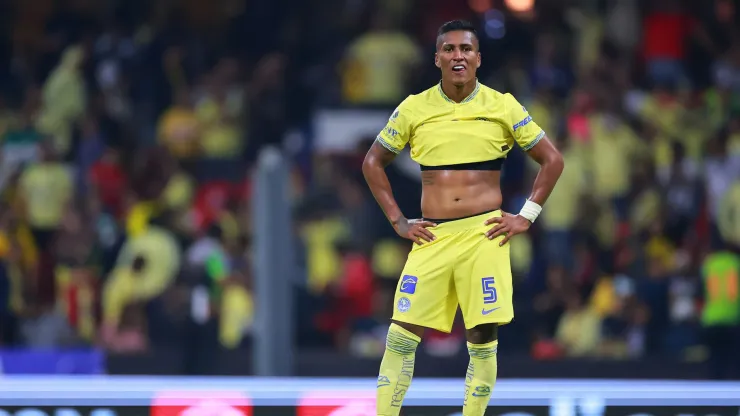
[(396, 133), (525, 131)]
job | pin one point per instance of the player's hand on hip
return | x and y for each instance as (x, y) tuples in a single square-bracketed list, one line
[(508, 225), (416, 230)]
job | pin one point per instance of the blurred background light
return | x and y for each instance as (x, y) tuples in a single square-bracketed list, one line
[(480, 6), (495, 24), (519, 5)]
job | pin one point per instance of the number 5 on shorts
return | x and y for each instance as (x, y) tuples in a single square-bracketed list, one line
[(489, 292)]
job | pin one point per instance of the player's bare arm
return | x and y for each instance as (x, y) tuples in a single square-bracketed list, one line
[(373, 168), (551, 166)]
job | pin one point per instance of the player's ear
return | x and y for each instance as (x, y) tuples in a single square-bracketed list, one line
[(436, 61), (477, 63)]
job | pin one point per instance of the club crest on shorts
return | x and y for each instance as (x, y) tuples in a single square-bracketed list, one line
[(403, 305)]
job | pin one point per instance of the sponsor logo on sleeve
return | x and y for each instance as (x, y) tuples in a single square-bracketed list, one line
[(522, 123)]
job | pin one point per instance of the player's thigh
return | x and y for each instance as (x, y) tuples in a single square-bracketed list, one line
[(425, 294), (483, 283)]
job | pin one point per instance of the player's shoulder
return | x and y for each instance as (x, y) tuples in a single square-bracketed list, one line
[(425, 97), (415, 103), (498, 101), (495, 95)]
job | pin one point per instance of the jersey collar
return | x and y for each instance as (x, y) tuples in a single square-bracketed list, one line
[(467, 99)]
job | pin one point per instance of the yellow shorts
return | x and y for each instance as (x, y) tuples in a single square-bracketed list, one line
[(462, 267)]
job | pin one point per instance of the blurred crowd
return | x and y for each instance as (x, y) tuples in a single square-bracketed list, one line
[(129, 132)]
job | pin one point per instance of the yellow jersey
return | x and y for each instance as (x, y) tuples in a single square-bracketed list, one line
[(476, 133)]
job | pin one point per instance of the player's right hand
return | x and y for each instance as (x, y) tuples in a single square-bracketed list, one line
[(415, 230)]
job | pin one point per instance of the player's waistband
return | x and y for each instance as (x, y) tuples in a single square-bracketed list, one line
[(453, 225)]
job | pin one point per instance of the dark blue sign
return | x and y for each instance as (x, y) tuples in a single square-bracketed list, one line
[(52, 362)]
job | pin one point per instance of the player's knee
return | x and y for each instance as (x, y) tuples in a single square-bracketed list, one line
[(483, 334), (401, 341), (414, 329)]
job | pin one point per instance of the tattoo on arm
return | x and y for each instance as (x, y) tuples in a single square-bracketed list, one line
[(427, 178)]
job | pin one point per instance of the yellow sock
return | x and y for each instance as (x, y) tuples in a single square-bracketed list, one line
[(480, 378), (396, 370)]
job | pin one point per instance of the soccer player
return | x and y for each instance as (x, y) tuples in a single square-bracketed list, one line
[(459, 132)]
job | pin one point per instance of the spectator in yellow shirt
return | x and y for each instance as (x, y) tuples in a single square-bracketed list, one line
[(579, 330), (377, 64), (46, 188), (179, 129), (119, 295), (64, 99)]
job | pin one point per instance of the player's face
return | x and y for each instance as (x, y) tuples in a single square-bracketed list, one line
[(457, 56)]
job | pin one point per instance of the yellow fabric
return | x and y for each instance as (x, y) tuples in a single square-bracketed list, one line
[(480, 378), (46, 188), (179, 130), (388, 258), (522, 253), (162, 254), (545, 116), (613, 154), (323, 261), (482, 127), (605, 227), (396, 370), (645, 210), (666, 117), (660, 248), (18, 270), (64, 99), (237, 313), (17, 288), (376, 68), (119, 291), (728, 218), (662, 152), (694, 141), (604, 297), (579, 332), (221, 139), (178, 193), (4, 244), (138, 217), (229, 226), (460, 265), (27, 244), (562, 209), (589, 42)]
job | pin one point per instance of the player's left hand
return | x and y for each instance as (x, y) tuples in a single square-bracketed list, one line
[(508, 225)]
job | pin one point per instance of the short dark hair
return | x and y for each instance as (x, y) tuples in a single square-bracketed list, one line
[(454, 25)]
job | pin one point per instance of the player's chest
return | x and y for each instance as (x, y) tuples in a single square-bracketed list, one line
[(463, 128)]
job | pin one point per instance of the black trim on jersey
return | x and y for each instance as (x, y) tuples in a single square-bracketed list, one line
[(494, 164), (440, 221)]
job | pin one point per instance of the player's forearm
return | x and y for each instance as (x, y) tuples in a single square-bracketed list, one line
[(380, 187), (546, 179)]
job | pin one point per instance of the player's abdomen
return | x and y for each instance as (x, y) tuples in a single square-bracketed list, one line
[(450, 194)]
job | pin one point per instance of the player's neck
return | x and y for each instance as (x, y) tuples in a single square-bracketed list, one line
[(459, 93)]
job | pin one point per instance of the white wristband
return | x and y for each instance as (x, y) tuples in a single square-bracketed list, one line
[(531, 210)]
